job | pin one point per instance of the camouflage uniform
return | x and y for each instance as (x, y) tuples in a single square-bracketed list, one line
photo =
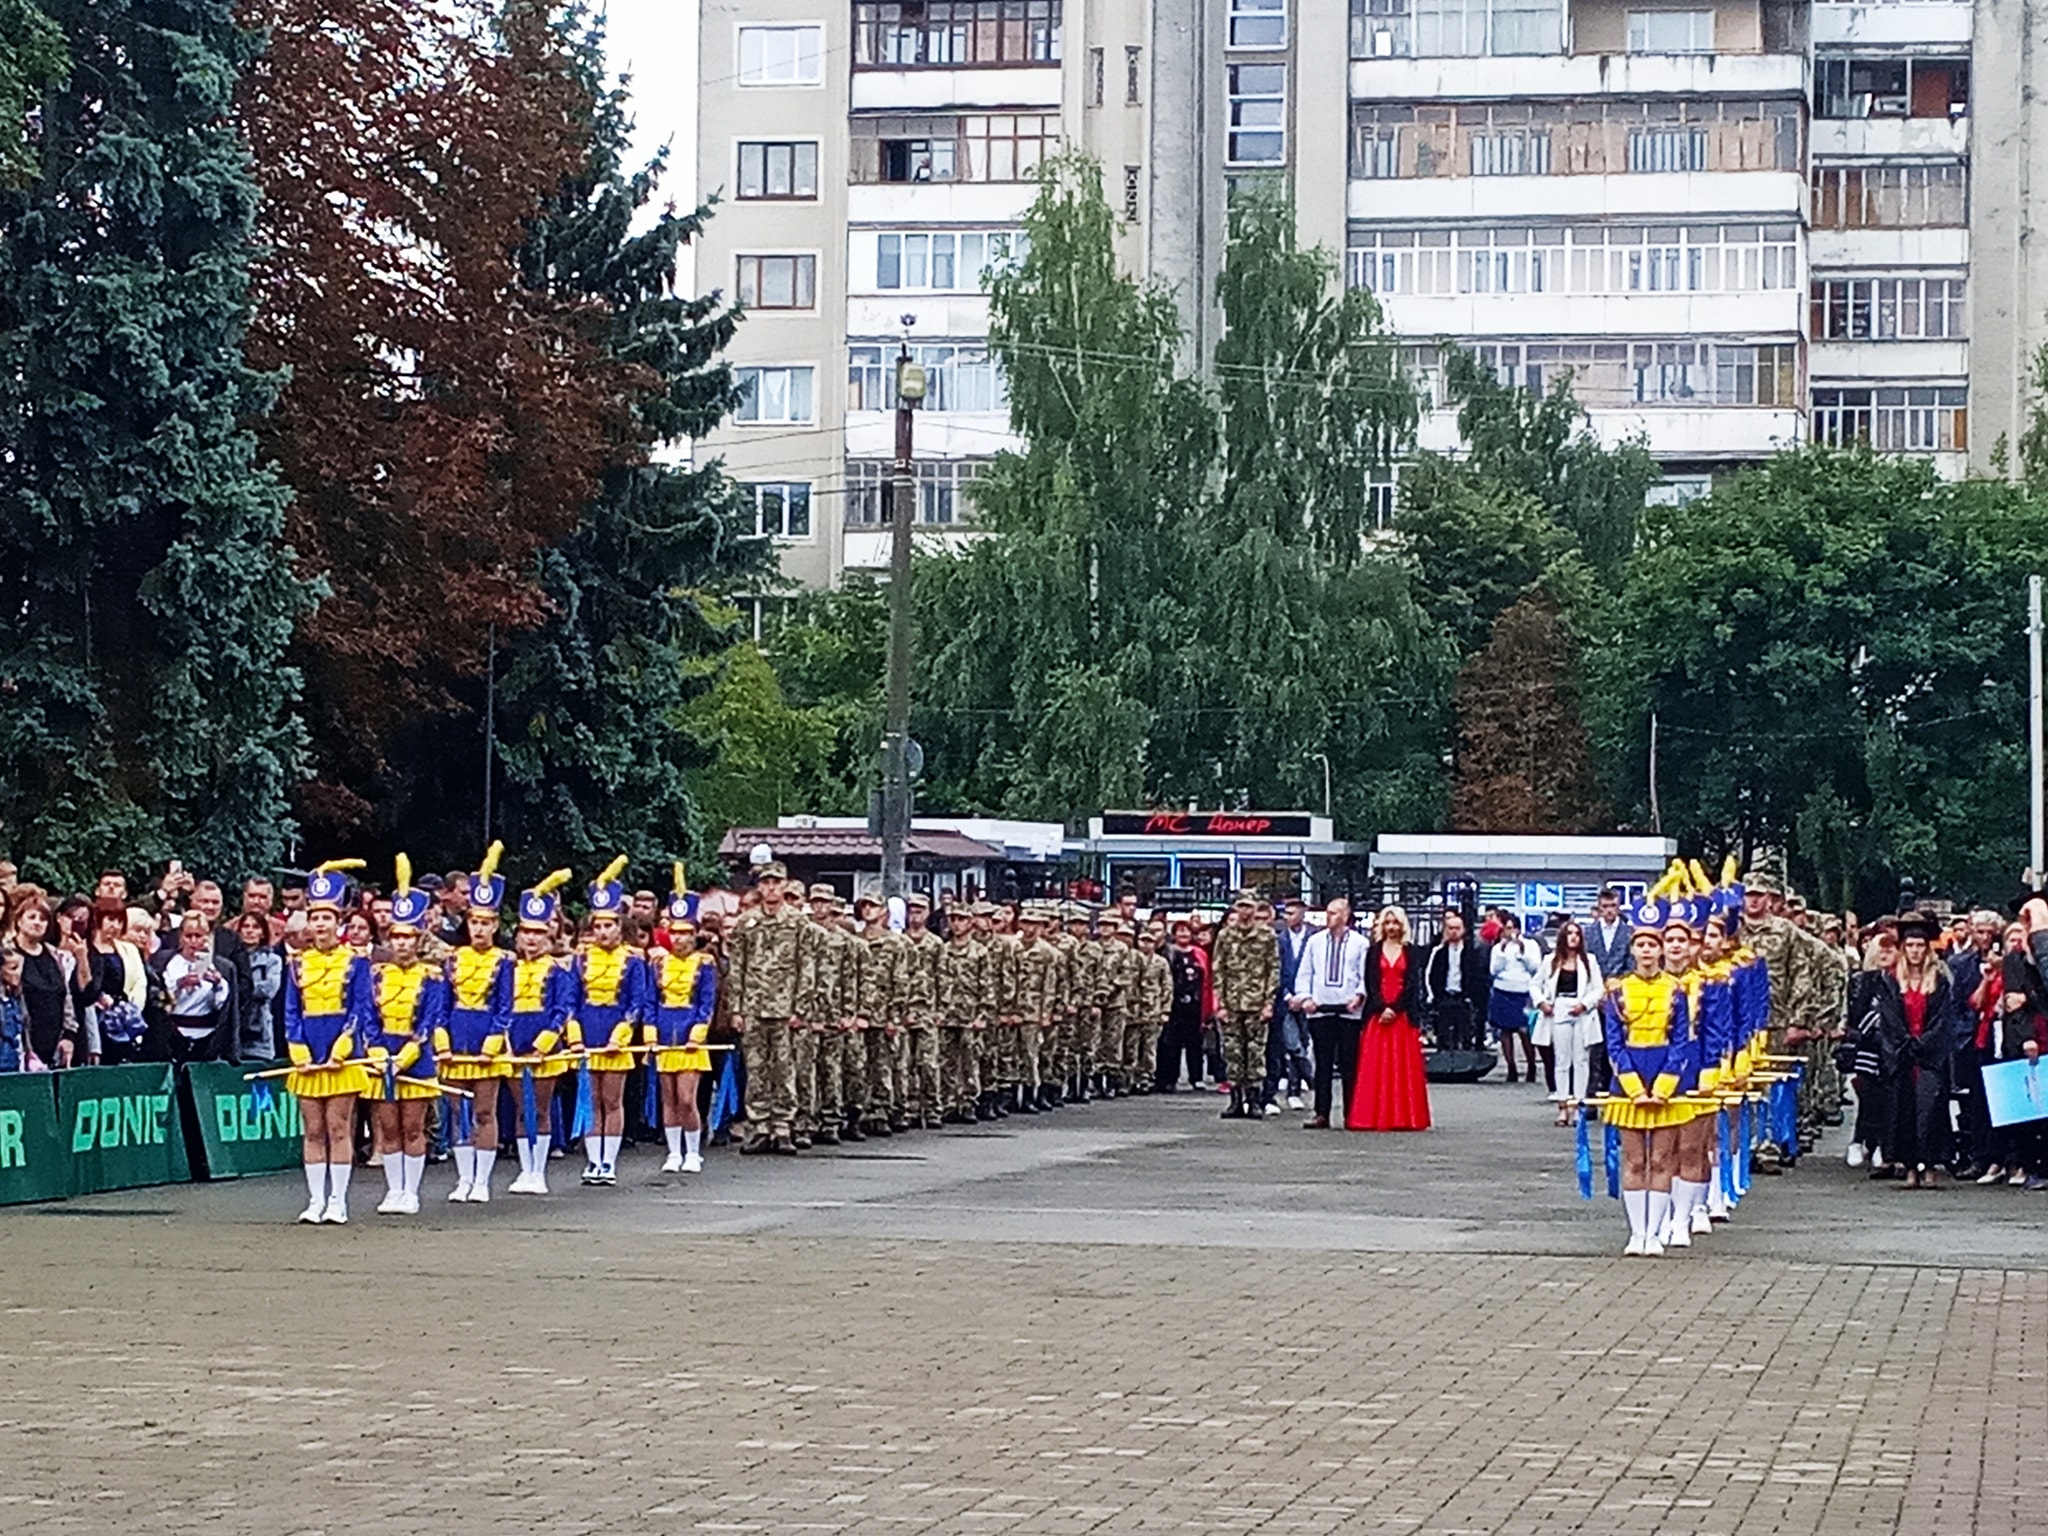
[(920, 1050), (1000, 1064), (768, 957), (1120, 966), (960, 967), (1155, 1001), (1246, 961), (1085, 965), (820, 1048), (880, 1006), (853, 1068), (1036, 961), (1065, 1054)]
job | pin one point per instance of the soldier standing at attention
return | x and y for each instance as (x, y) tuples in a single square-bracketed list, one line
[(1119, 995), (853, 1067), (1246, 960), (1062, 1076), (1773, 940), (1085, 962), (768, 951), (876, 1012), (981, 1044), (959, 970), (921, 1015), (1000, 1052), (1155, 1001), (821, 1054)]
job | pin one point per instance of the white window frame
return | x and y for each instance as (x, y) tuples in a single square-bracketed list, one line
[(755, 397), (739, 149), (1238, 99), (797, 81), (749, 253), (963, 280), (783, 535), (1256, 12), (1657, 31)]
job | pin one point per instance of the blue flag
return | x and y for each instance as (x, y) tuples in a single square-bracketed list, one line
[(579, 1123), (725, 1102), (1583, 1156), (1613, 1162)]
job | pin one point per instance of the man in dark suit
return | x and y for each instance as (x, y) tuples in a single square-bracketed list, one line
[(1287, 1064), (1608, 935), (1455, 981)]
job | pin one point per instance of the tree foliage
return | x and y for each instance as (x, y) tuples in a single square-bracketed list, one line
[(32, 58), (146, 593), (1525, 760)]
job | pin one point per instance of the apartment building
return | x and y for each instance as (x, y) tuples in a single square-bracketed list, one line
[(1736, 224)]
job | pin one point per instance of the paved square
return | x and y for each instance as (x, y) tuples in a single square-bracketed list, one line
[(1129, 1318)]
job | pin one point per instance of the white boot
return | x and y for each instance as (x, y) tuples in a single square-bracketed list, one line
[(522, 1181), (316, 1193), (537, 1181), (336, 1214), (465, 1174), (608, 1158), (674, 1135), (394, 1185), (1660, 1214), (1637, 1203), (415, 1171), (1677, 1231)]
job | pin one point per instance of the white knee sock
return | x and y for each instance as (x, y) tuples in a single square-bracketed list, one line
[(674, 1133), (692, 1140), (394, 1173), (1660, 1213), (525, 1150), (486, 1159), (316, 1182), (337, 1181), (611, 1152), (465, 1165), (538, 1151), (415, 1170)]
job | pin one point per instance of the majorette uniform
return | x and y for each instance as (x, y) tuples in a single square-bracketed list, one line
[(683, 990), (470, 1041), (536, 1031), (611, 999), (327, 1010), (410, 1007), (1646, 1028)]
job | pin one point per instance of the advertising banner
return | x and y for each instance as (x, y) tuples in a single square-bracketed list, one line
[(33, 1162), (120, 1127), (243, 1127)]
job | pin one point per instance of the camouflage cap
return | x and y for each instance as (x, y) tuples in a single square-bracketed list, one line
[(1795, 902), (918, 899), (1764, 881), (772, 870), (823, 892), (1245, 898)]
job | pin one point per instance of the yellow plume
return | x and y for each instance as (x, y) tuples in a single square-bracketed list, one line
[(337, 866), (1701, 885), (682, 885), (612, 871), (404, 874), (1669, 883), (492, 854), (1730, 868), (553, 881)]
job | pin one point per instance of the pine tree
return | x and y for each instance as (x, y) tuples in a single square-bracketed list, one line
[(31, 57), (146, 593), (592, 734)]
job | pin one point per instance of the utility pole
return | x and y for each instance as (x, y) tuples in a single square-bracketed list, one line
[(490, 723), (896, 722), (2037, 823), (1656, 814)]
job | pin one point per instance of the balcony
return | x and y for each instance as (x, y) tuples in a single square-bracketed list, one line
[(1891, 22), (947, 35), (1777, 312), (1579, 77), (1890, 138), (1762, 195)]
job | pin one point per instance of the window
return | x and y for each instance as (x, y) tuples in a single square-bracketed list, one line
[(775, 394), (1436, 29), (944, 262), (1595, 259), (943, 491), (1574, 138), (1380, 29), (782, 508), (1134, 58), (1132, 186), (1667, 149), (1614, 375), (785, 169), (1922, 419), (1258, 23), (779, 282), (1258, 114), (1382, 487), (1889, 309), (958, 376), (1008, 147), (945, 34), (981, 147), (1510, 152), (1919, 196), (1851, 87), (782, 56), (1670, 31), (1095, 74)]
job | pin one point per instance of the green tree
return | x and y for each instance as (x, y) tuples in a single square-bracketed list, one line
[(1525, 760), (32, 58), (766, 758), (1833, 647), (146, 593)]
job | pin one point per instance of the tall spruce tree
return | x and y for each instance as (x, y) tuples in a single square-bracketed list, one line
[(32, 57), (592, 735), (146, 594)]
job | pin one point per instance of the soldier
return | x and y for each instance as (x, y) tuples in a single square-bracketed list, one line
[(767, 953), (957, 978), (1000, 1070), (879, 1013), (1789, 965), (853, 1069), (921, 1015), (980, 1042), (1084, 964), (821, 1101), (1246, 961), (1120, 966), (1155, 1001), (1035, 960)]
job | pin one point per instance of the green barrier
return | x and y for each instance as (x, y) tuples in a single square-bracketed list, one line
[(243, 1127), (121, 1127), (33, 1163)]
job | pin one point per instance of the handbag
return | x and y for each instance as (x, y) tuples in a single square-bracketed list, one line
[(1540, 1032), (121, 1023)]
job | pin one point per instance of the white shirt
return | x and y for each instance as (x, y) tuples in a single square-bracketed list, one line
[(1332, 969), (1514, 964), (200, 998)]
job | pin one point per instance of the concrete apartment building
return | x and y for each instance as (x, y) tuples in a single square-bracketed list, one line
[(1738, 224)]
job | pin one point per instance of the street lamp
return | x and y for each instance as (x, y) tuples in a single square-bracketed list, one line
[(910, 388)]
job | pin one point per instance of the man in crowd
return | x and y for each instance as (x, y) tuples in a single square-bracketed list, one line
[(200, 1021), (1607, 936), (1455, 979), (1287, 1066), (1971, 965), (1329, 989), (450, 922)]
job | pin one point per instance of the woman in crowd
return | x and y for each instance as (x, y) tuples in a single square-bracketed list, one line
[(120, 985), (685, 989), (1567, 996), (266, 983), (1392, 1091), (364, 937), (1515, 964), (1182, 1041), (1915, 1035), (13, 1016), (328, 1006), (1873, 1098), (410, 1000), (48, 995), (1645, 1028), (2022, 1149)]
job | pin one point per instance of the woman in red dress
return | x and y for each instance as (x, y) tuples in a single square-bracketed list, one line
[(1391, 1092)]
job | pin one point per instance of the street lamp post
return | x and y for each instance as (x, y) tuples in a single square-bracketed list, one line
[(910, 385)]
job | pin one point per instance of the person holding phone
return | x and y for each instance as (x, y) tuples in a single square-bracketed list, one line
[(199, 995)]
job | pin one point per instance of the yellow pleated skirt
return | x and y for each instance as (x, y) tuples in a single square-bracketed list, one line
[(326, 1081), (682, 1058), (474, 1071), (1631, 1116), (611, 1061)]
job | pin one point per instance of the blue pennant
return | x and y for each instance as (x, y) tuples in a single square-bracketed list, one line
[(260, 1096), (1613, 1154), (529, 1105), (1583, 1156), (725, 1101), (579, 1123), (1726, 1172), (650, 1108)]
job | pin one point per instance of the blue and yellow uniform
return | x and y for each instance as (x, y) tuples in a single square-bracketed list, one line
[(327, 1003), (543, 990), (612, 985), (479, 991), (685, 992), (1647, 1029)]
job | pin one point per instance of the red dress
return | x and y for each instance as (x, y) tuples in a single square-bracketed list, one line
[(1391, 1093)]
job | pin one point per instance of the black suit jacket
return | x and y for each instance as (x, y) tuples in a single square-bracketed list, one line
[(1408, 1000)]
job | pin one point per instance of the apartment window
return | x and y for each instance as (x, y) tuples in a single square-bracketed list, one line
[(1850, 87), (952, 261), (1382, 490), (1132, 183), (782, 508), (944, 491), (782, 56), (775, 395), (1667, 149), (959, 376), (1610, 375), (1381, 29), (1889, 309), (1592, 259), (1436, 29), (1258, 23), (1918, 196), (1509, 152), (1258, 114), (1008, 146), (1908, 419), (1095, 77), (771, 169), (1134, 60), (945, 34), (778, 282), (1670, 31)]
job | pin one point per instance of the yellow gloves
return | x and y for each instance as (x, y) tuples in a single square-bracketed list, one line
[(545, 1042), (344, 1047), (494, 1045), (407, 1055), (301, 1055), (622, 1036)]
